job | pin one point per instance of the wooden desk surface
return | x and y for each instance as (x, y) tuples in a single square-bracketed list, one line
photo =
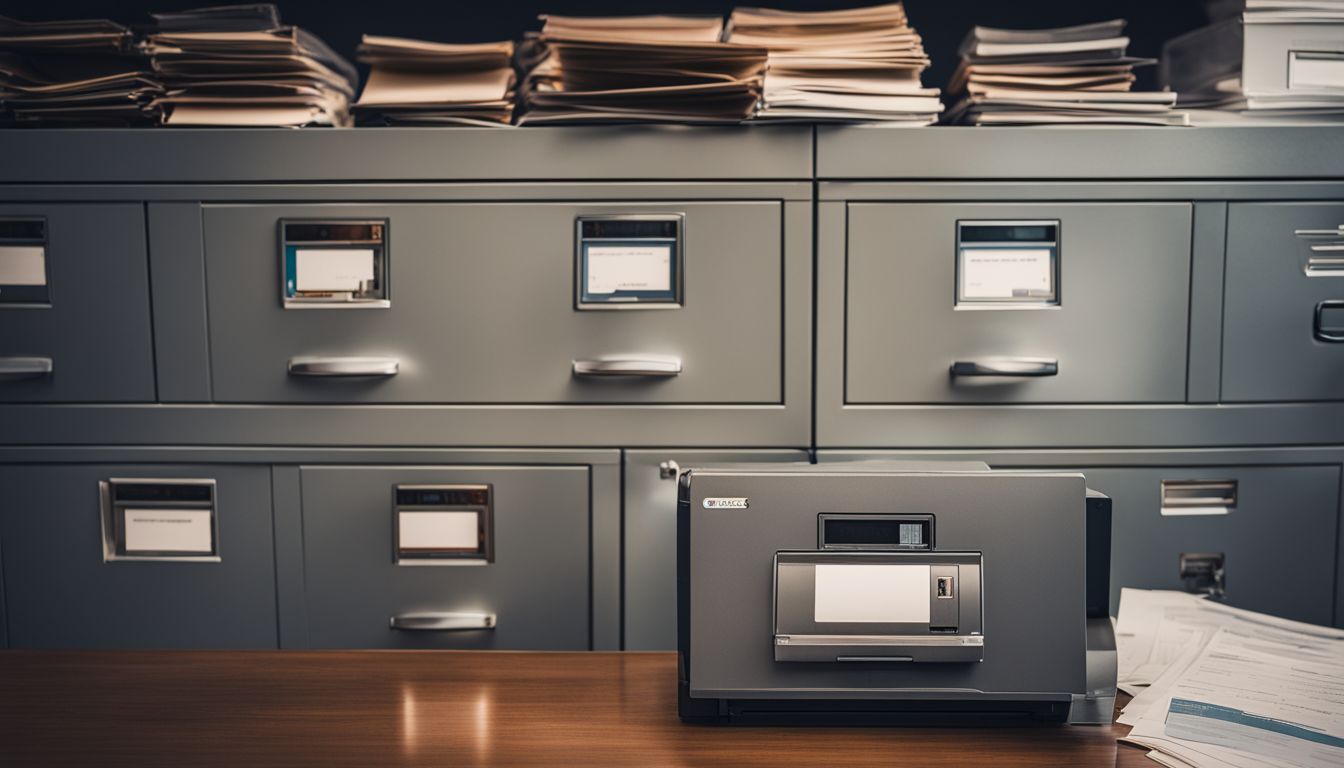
[(442, 708)]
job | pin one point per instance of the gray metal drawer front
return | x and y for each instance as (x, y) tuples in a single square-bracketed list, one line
[(91, 341), (1117, 334), (1285, 264), (1278, 536), (482, 311), (532, 595), (61, 594)]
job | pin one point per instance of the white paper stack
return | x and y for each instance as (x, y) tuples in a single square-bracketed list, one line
[(1218, 686), (240, 66), (1275, 61), (78, 72), (1066, 76), (639, 69), (857, 64), (416, 82)]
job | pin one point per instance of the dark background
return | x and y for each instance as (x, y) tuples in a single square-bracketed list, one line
[(942, 23)]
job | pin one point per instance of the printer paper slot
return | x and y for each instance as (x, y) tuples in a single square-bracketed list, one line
[(838, 605)]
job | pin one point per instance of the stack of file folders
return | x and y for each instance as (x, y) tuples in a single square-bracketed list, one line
[(854, 64), (1269, 60), (1066, 76), (640, 69), (241, 66), (415, 82), (74, 73)]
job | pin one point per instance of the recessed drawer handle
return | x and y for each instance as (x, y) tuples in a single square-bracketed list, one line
[(645, 367), (1013, 367), (1198, 497), (443, 622), (1328, 325), (24, 367), (344, 366)]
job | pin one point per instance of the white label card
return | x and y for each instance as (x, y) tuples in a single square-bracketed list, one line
[(890, 594), (187, 531), (613, 268), (1006, 273), (23, 265), (332, 269), (438, 531)]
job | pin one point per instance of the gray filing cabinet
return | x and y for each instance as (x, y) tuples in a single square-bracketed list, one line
[(650, 488), (530, 592), (66, 587), (1283, 337), (1273, 516), (74, 304), (911, 338)]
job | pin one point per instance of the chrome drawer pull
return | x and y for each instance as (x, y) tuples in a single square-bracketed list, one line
[(443, 622), (24, 367), (644, 367), (344, 366), (1011, 367)]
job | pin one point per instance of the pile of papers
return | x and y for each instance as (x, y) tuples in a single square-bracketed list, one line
[(74, 73), (415, 82), (639, 69), (856, 64), (240, 66), (1070, 75), (1207, 66), (1218, 686)]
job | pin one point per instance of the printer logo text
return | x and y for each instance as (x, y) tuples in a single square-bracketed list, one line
[(726, 503)]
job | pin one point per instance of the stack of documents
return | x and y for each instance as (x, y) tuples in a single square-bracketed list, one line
[(1070, 75), (1218, 686), (240, 66), (856, 64), (1280, 59), (414, 82), (641, 69), (74, 73)]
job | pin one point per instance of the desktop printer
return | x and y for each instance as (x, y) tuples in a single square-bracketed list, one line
[(870, 593)]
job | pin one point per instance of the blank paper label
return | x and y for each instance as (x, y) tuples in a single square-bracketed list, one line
[(332, 269), (187, 531), (890, 594), (613, 268), (1006, 273), (23, 265), (439, 531)]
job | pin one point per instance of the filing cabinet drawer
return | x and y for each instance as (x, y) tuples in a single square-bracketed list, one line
[(934, 315), (1283, 316), (74, 304), (483, 303), (71, 582), (1277, 536), (372, 582)]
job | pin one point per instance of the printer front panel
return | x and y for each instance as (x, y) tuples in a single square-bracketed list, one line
[(1029, 530)]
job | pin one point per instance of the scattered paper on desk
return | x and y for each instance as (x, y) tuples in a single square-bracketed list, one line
[(1216, 685)]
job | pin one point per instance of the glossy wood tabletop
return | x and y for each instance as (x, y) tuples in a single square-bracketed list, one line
[(442, 708)]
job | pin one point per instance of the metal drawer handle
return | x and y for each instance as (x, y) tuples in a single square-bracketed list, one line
[(1198, 497), (1012, 367), (442, 622), (1331, 264), (645, 367), (24, 367), (344, 366)]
